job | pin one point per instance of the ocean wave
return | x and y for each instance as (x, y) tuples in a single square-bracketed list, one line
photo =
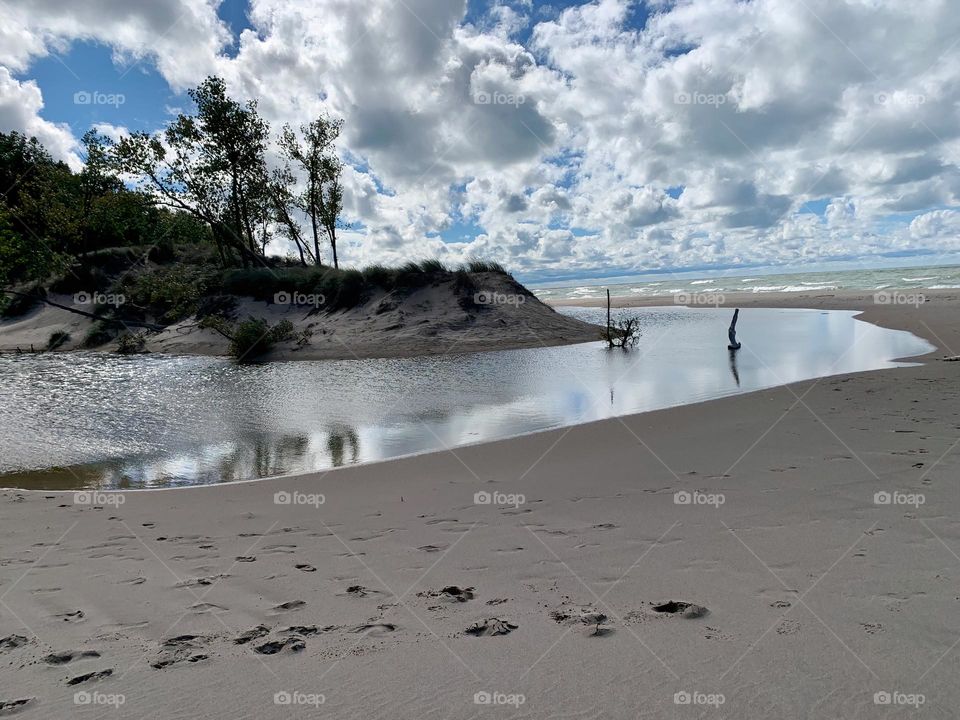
[(790, 288)]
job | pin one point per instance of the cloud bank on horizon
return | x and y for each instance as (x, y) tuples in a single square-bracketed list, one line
[(564, 138)]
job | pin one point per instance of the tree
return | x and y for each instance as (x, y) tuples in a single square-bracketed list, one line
[(283, 196), (211, 165), (24, 259), (38, 193), (322, 198)]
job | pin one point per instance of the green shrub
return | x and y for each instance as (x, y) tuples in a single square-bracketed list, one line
[(251, 338), (17, 305), (283, 330), (131, 343), (57, 338), (170, 292), (100, 333)]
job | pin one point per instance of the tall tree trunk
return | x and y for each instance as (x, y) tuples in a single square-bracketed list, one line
[(332, 234), (313, 221)]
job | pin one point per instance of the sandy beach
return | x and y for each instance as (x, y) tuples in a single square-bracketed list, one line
[(790, 553)]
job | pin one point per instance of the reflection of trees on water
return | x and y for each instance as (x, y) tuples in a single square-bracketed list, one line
[(264, 457), (258, 457), (338, 439)]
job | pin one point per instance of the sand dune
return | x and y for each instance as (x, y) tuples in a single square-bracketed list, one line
[(438, 319), (808, 571)]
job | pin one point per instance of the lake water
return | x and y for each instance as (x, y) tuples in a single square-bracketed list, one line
[(735, 281), (70, 421)]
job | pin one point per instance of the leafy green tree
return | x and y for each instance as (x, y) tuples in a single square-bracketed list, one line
[(322, 198), (24, 259), (210, 165)]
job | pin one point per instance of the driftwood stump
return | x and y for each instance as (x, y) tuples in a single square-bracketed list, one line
[(732, 332)]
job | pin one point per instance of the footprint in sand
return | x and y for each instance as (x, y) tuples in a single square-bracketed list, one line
[(291, 644), (373, 535), (273, 549), (375, 629), (68, 656), (289, 606), (307, 630), (201, 581), (180, 649), (360, 591), (491, 627), (681, 608), (585, 615), (132, 581), (451, 593), (90, 677), (8, 707), (207, 608), (12, 642), (252, 634), (432, 548)]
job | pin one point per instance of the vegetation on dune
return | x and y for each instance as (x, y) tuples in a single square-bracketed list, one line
[(155, 229), (57, 338)]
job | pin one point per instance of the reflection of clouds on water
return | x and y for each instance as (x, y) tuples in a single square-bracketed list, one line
[(201, 420)]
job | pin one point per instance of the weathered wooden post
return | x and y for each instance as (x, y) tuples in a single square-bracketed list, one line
[(608, 316), (732, 332)]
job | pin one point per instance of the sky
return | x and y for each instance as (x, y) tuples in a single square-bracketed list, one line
[(565, 139)]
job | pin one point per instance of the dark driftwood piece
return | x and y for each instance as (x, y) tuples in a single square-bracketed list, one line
[(732, 332)]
